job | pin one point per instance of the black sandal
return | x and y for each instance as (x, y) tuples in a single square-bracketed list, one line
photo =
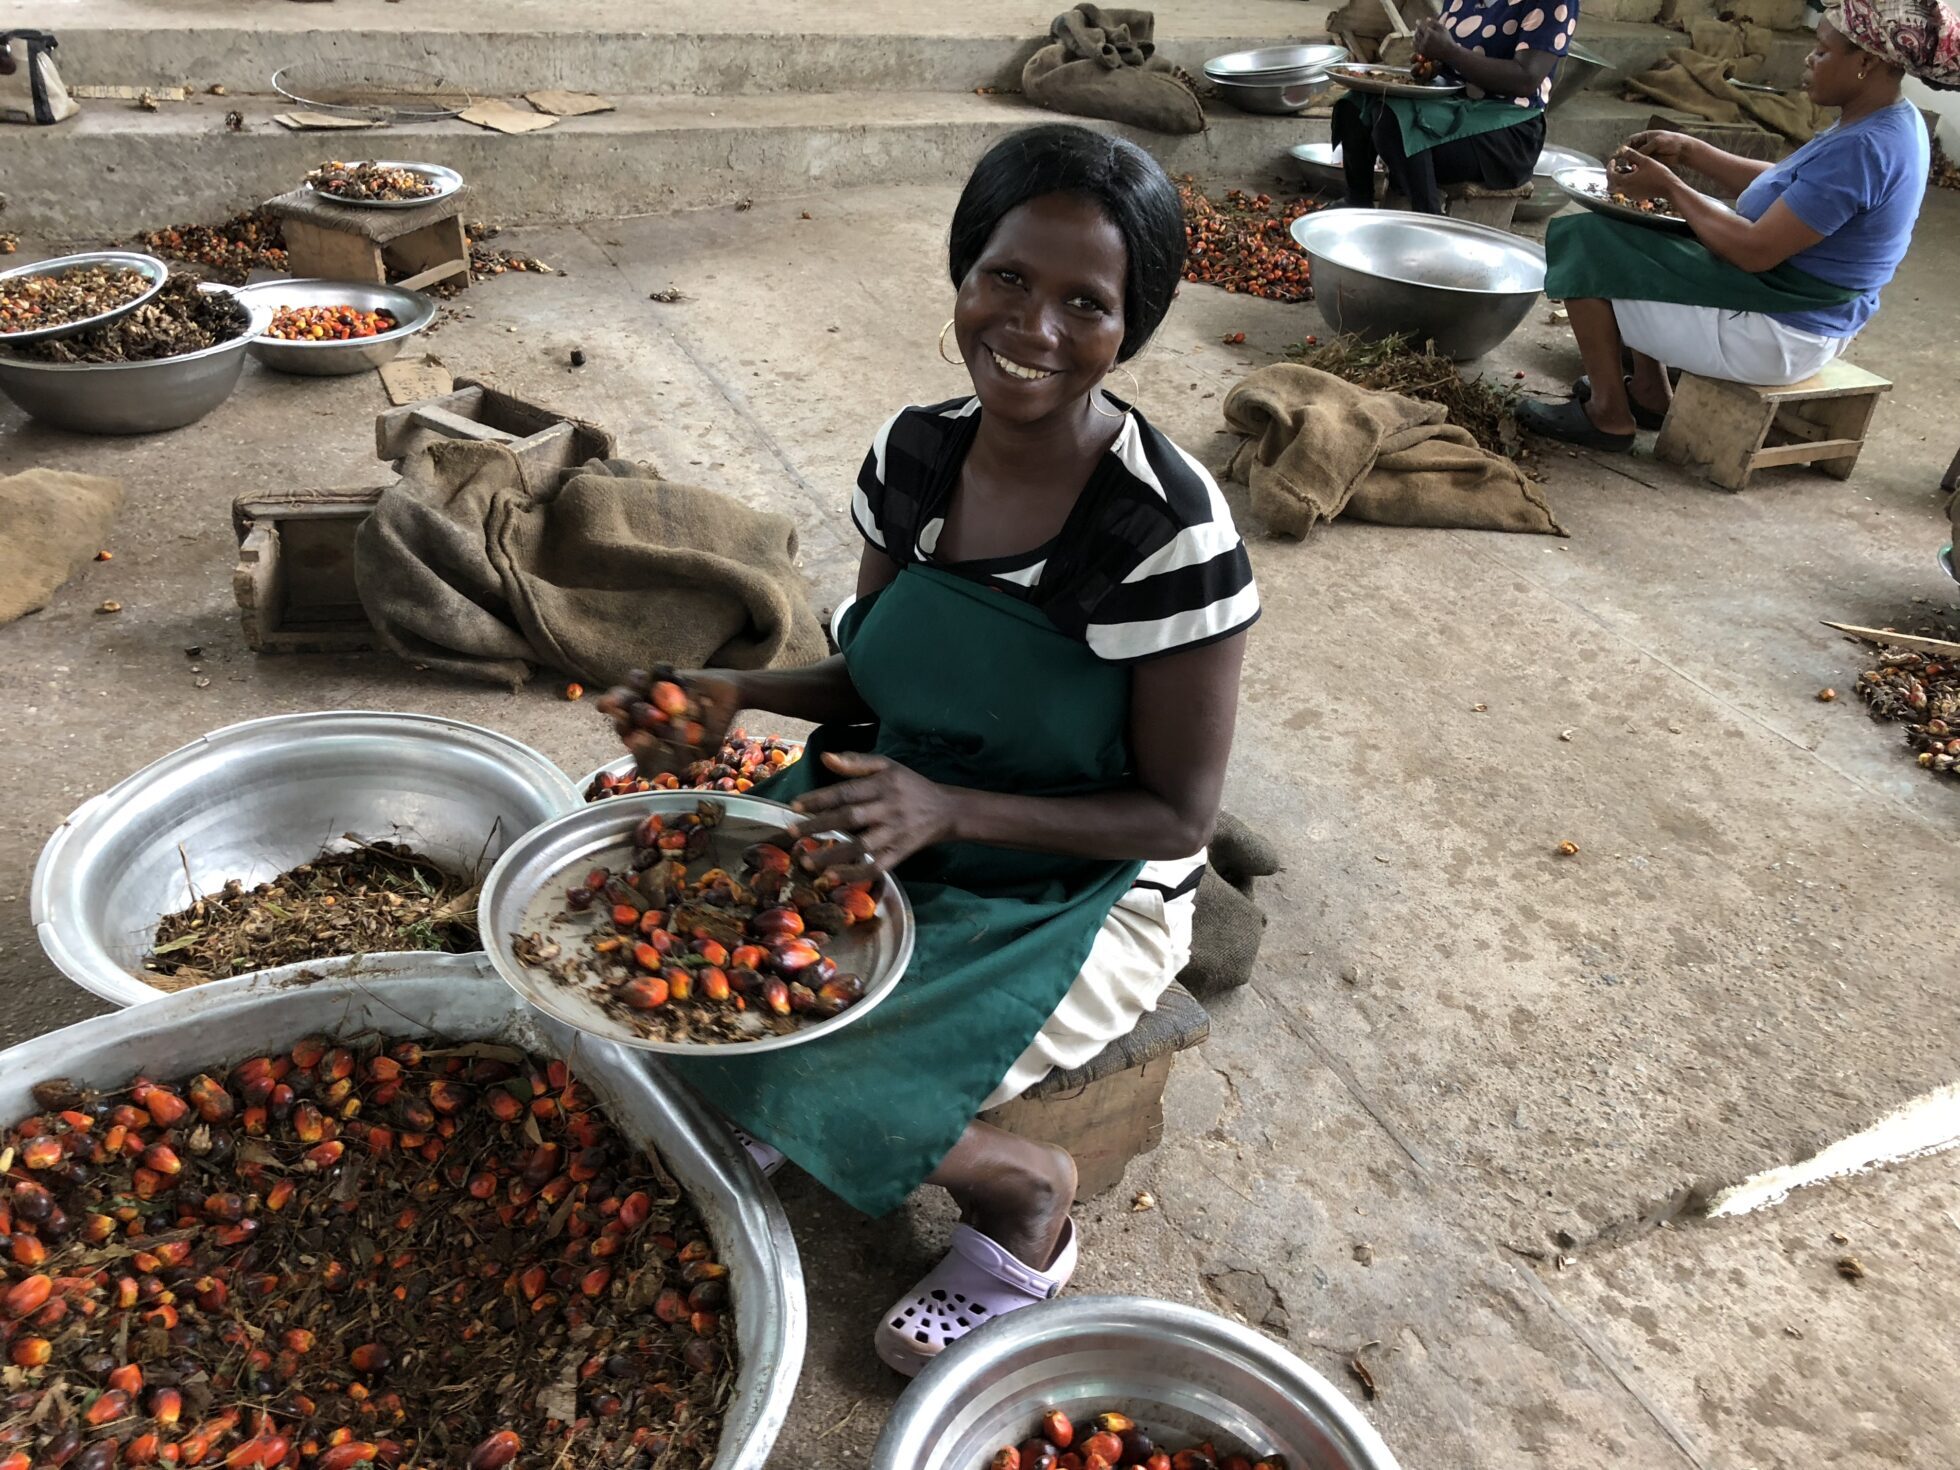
[(1570, 424), (1643, 416)]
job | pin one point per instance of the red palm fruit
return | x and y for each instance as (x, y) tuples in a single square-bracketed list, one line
[(166, 1405), (748, 957), (43, 1152), (634, 1209), (380, 1140), (226, 1207), (208, 1096), (668, 697), (27, 1250), (625, 917), (651, 920), (793, 956), (447, 1098), (30, 1352), (1037, 1454), (145, 1449), (595, 1281), (670, 1306), (322, 1156), (506, 1106), (712, 951), (128, 1378), (370, 1357), (802, 999), (482, 1185), (111, 1405), (680, 982), (279, 1195), (306, 1054), (165, 1108), (775, 995), (857, 904), (158, 1158), (1194, 1459), (499, 1450), (280, 1103), (644, 993), (1057, 1430), (1103, 1444), (714, 984), (346, 1455), (777, 924), (26, 1296), (647, 834), (647, 957), (336, 1064), (704, 1323)]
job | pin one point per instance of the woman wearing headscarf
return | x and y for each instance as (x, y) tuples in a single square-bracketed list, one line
[(1772, 290)]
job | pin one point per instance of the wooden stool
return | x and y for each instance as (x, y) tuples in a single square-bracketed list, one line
[(1738, 428), (1474, 204), (344, 242), (1111, 1109)]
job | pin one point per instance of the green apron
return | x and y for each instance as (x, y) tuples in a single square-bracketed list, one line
[(1593, 256), (1427, 121), (975, 689)]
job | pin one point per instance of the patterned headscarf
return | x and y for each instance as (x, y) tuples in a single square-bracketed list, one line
[(1922, 36)]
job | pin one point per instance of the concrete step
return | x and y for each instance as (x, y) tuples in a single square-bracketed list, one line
[(499, 47), (1631, 47), (115, 169)]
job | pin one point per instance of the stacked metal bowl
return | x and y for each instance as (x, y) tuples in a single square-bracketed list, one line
[(1278, 80)]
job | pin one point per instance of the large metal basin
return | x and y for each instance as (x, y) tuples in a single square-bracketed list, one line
[(251, 800), (1186, 1376), (132, 397), (1547, 198), (1383, 273), (457, 998)]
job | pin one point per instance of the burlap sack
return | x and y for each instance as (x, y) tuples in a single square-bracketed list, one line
[(1318, 446), (1227, 923), (463, 570), (1102, 64), (52, 522)]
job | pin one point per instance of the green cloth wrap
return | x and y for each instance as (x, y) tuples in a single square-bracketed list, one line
[(975, 689), (1594, 256), (1427, 121)]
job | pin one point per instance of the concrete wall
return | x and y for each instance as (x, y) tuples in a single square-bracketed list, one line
[(1945, 108)]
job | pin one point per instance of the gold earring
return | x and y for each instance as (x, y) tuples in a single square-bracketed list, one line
[(949, 361)]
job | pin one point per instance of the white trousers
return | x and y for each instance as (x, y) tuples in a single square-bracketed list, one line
[(1737, 346), (1141, 947)]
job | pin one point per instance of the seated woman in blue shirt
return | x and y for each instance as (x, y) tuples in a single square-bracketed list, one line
[(1772, 290), (1505, 53)]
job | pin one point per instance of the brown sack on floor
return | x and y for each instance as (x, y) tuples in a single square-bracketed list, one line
[(1318, 446), (1689, 81), (462, 570), (52, 522), (1102, 65)]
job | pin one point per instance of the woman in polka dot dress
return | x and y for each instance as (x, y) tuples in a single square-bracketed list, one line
[(1505, 52)]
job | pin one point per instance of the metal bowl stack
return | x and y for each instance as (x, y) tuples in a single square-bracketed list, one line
[(1547, 198), (1278, 80), (132, 397), (1382, 273), (1184, 1375)]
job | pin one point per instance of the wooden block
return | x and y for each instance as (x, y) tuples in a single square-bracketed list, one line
[(294, 582), (432, 253), (1103, 1125), (332, 254)]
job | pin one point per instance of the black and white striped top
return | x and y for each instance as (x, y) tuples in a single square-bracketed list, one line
[(1147, 563)]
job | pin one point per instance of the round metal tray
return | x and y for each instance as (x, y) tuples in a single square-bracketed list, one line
[(378, 91), (446, 180), (1274, 63), (524, 894), (454, 998), (411, 309), (1578, 182), (149, 265), (1357, 76)]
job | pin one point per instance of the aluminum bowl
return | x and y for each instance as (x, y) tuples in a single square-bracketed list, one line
[(1383, 273), (1274, 63), (411, 309), (252, 800), (152, 268), (525, 894), (1186, 1376), (1547, 198), (1319, 164), (1275, 98), (131, 397), (454, 998)]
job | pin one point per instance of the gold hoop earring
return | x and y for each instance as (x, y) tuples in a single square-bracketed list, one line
[(949, 361), (1135, 390)]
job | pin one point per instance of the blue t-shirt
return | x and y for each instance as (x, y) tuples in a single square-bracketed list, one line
[(1859, 185), (1502, 28)]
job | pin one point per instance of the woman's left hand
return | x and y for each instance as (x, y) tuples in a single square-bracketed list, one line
[(1640, 177), (890, 811)]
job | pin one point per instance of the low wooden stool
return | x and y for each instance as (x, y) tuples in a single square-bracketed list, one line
[(1474, 204), (1110, 1109), (1738, 428), (344, 242)]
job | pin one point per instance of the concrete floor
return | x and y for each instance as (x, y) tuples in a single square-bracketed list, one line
[(1461, 1053)]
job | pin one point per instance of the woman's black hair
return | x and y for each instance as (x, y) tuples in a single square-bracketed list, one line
[(1131, 187)]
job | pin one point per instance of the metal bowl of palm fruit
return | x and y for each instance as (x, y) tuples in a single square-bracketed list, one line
[(332, 328), (1141, 1384), (291, 838), (375, 1215), (72, 293)]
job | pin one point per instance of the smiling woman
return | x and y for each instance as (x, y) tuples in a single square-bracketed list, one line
[(1028, 724)]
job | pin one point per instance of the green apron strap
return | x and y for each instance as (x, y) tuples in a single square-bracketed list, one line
[(1594, 256)]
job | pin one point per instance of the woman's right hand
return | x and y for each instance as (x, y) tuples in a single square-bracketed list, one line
[(721, 695), (1662, 145)]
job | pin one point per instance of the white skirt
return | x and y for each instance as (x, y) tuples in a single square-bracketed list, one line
[(1141, 947), (1736, 346)]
